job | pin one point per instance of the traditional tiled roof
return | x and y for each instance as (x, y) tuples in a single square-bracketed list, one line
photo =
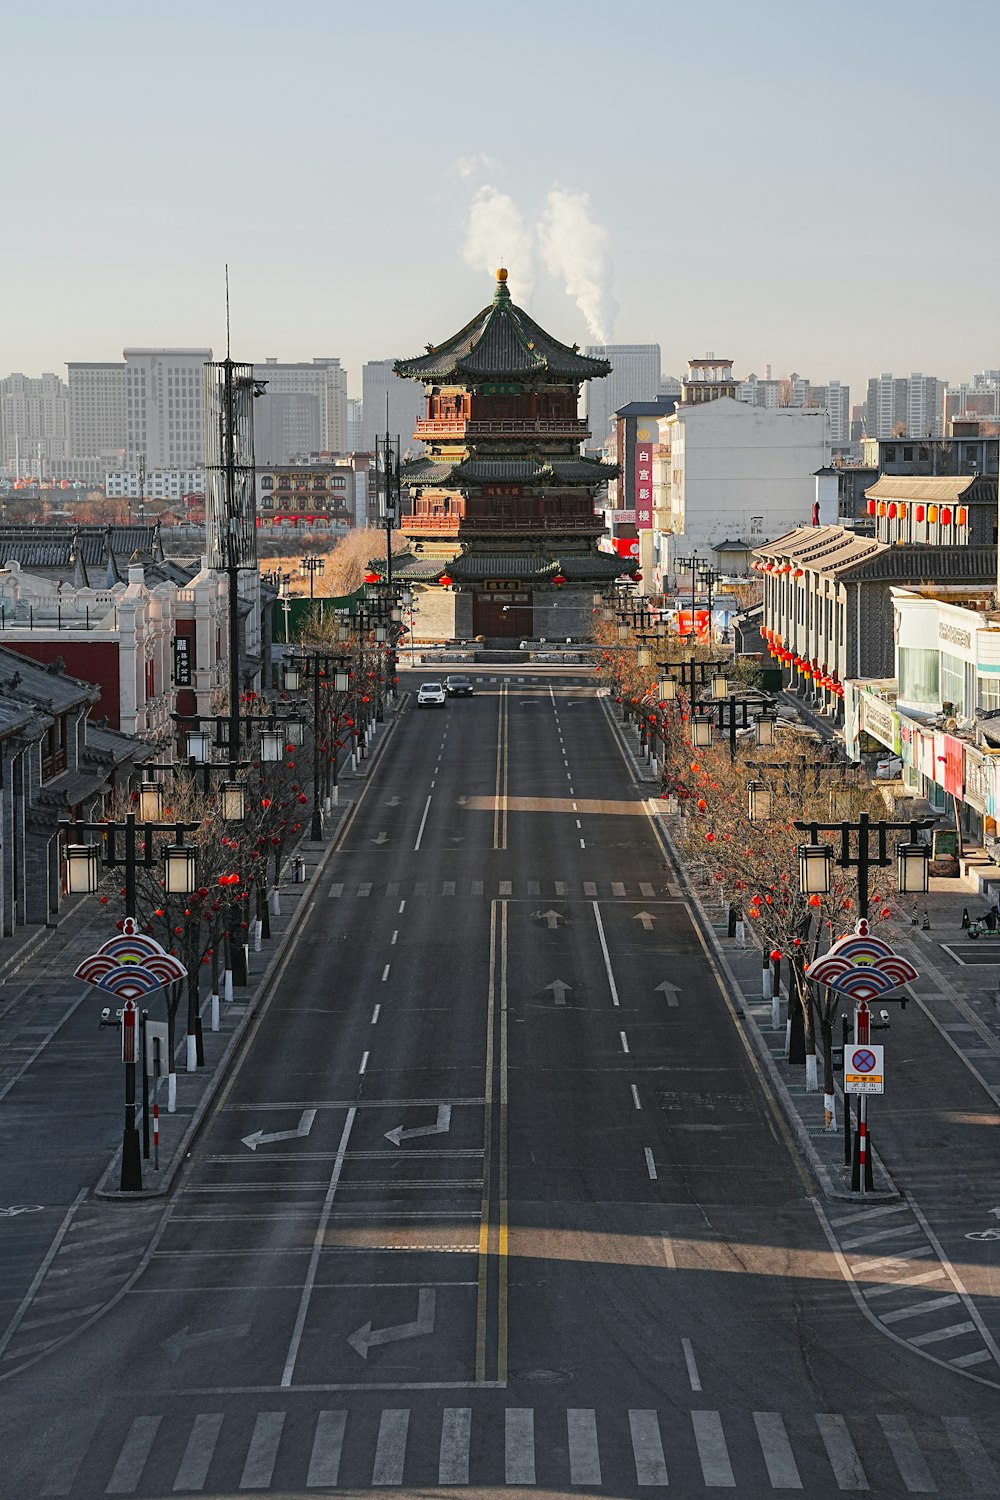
[(501, 343), (42, 685), (839, 553), (109, 747), (576, 567), (942, 489), (513, 470)]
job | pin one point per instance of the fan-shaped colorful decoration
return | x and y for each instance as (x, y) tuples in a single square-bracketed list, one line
[(861, 966), (130, 965)]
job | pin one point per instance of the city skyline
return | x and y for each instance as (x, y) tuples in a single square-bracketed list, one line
[(780, 254)]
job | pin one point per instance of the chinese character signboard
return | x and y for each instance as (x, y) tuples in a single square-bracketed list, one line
[(643, 486), (182, 661)]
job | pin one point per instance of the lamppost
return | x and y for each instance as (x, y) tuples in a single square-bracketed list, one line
[(694, 562), (180, 877), (731, 714), (316, 664), (816, 860), (311, 565), (694, 677), (708, 577)]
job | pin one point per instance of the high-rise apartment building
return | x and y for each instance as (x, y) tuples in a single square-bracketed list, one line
[(406, 406), (325, 381), (911, 407), (165, 407), (34, 414), (97, 422), (635, 376), (355, 428)]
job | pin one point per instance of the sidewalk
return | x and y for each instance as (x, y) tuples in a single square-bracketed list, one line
[(38, 996)]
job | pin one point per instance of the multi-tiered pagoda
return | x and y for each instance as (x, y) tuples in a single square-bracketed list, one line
[(502, 528)]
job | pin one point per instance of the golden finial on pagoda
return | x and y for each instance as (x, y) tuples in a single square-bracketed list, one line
[(502, 274)]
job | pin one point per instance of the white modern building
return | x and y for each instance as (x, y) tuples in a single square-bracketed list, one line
[(306, 409), (635, 376), (728, 476), (165, 407), (34, 423), (158, 484), (913, 407), (98, 429)]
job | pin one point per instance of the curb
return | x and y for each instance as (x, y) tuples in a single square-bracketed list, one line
[(213, 1081), (739, 1003)]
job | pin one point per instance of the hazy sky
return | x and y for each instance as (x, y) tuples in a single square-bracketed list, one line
[(813, 185)]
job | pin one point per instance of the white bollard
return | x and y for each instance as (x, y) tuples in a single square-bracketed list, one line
[(258, 928), (192, 1053), (766, 982), (776, 1012), (215, 1012), (741, 933), (275, 902), (227, 986), (830, 1111), (335, 796), (171, 1093), (788, 1037), (812, 1073)]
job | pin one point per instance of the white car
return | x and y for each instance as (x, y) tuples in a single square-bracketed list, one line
[(889, 767), (431, 695)]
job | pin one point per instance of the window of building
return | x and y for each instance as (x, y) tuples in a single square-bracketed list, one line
[(988, 694), (890, 456), (953, 683), (919, 676), (907, 455)]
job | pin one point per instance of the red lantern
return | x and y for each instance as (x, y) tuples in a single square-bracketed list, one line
[(946, 516), (445, 580), (559, 580), (921, 512), (871, 507), (892, 510), (636, 577), (371, 576)]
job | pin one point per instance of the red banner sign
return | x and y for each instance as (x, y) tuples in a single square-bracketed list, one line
[(643, 486)]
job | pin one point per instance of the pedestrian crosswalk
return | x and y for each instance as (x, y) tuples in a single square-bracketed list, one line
[(622, 1451), (908, 1289), (527, 889)]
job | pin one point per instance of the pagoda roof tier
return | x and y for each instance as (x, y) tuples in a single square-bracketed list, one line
[(513, 470), (501, 343)]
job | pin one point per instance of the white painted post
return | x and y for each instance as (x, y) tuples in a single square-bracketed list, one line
[(258, 927), (830, 1111), (776, 1012), (741, 932), (191, 1050), (227, 986), (275, 902), (335, 796), (171, 1092), (788, 1037), (766, 987), (812, 1073), (215, 1011)]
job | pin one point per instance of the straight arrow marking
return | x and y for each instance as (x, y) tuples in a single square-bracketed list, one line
[(259, 1138), (366, 1337), (560, 990), (670, 990), (380, 838), (646, 918), (441, 1127)]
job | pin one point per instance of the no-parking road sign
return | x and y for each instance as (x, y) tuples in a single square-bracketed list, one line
[(863, 1071)]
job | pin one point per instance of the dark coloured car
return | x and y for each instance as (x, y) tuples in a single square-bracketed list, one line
[(457, 686)]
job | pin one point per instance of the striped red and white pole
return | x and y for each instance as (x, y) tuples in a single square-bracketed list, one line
[(863, 1146)]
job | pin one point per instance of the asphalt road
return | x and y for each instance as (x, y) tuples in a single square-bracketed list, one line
[(495, 1196)]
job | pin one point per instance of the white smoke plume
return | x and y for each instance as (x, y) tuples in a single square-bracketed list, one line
[(576, 250), (496, 233)]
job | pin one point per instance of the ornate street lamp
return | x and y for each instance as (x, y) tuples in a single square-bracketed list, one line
[(720, 685), (82, 869), (668, 689), (180, 869), (815, 867), (150, 801), (912, 867), (701, 730), (758, 801), (233, 801), (272, 745), (199, 745), (291, 677), (767, 723)]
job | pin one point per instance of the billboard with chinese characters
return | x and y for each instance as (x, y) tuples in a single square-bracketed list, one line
[(643, 486)]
